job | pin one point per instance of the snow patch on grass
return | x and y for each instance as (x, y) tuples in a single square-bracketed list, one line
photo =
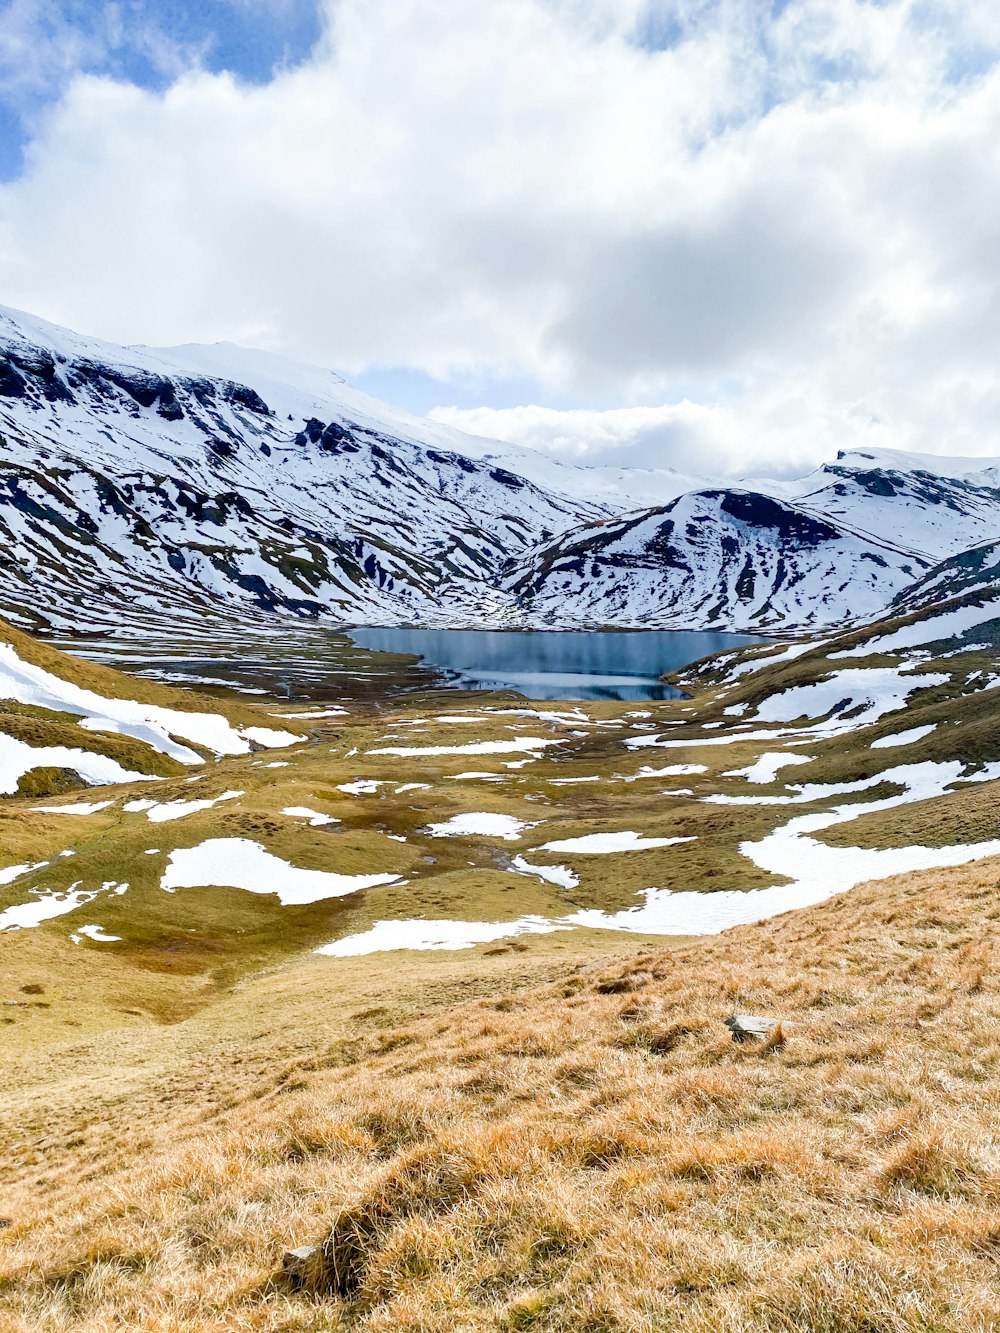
[(933, 629), (238, 863), (903, 737), (44, 907), (78, 808), (481, 823), (561, 875), (867, 693), (765, 769), (18, 758), (602, 844), (97, 933), (385, 936), (316, 713), (519, 743), (315, 818), (161, 812), (155, 726), (668, 771)]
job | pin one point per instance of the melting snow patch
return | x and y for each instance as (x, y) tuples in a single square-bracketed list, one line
[(161, 812), (903, 737), (853, 698), (867, 692), (482, 823), (97, 933), (768, 659), (126, 717), (569, 718), (17, 758), (43, 907), (412, 786), (670, 771), (362, 787), (476, 747), (319, 712), (949, 625), (766, 767), (561, 875), (659, 743), (237, 863), (385, 936), (600, 844), (316, 819), (10, 873), (816, 870), (269, 738), (80, 808)]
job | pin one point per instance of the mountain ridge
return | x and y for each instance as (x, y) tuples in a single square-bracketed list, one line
[(140, 483)]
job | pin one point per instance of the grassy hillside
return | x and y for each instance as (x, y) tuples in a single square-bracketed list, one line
[(70, 710), (551, 1129), (540, 1139)]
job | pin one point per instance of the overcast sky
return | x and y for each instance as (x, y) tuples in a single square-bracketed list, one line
[(726, 236)]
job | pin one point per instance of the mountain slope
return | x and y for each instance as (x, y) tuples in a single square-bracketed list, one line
[(145, 487), (971, 571), (720, 557), (834, 548), (933, 507), (128, 480), (65, 723)]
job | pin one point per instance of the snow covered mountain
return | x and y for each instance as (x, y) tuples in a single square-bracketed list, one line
[(211, 478), (140, 485), (973, 571), (836, 547), (730, 558)]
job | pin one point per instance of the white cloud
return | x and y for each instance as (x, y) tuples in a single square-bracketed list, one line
[(781, 226)]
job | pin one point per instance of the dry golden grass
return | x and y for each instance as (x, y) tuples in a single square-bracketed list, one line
[(575, 1145)]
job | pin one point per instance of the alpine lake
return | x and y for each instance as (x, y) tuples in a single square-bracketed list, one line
[(318, 662)]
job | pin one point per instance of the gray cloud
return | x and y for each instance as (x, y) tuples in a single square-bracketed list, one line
[(776, 230)]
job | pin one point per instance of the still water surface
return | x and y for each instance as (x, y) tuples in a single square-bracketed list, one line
[(546, 664)]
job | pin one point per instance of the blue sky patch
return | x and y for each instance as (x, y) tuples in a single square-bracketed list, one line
[(143, 42)]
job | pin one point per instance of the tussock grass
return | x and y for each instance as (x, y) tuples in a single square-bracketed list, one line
[(575, 1145)]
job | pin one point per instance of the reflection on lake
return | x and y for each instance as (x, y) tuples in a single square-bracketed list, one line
[(549, 664)]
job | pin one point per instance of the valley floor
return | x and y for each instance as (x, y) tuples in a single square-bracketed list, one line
[(415, 985), (556, 1133)]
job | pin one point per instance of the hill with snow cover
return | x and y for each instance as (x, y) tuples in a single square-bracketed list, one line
[(836, 547), (209, 478), (138, 485)]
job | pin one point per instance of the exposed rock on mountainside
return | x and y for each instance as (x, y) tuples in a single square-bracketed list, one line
[(139, 483), (975, 570), (837, 547), (718, 557), (127, 482)]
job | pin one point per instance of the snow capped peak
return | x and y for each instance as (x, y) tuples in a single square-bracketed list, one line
[(215, 478), (938, 465)]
